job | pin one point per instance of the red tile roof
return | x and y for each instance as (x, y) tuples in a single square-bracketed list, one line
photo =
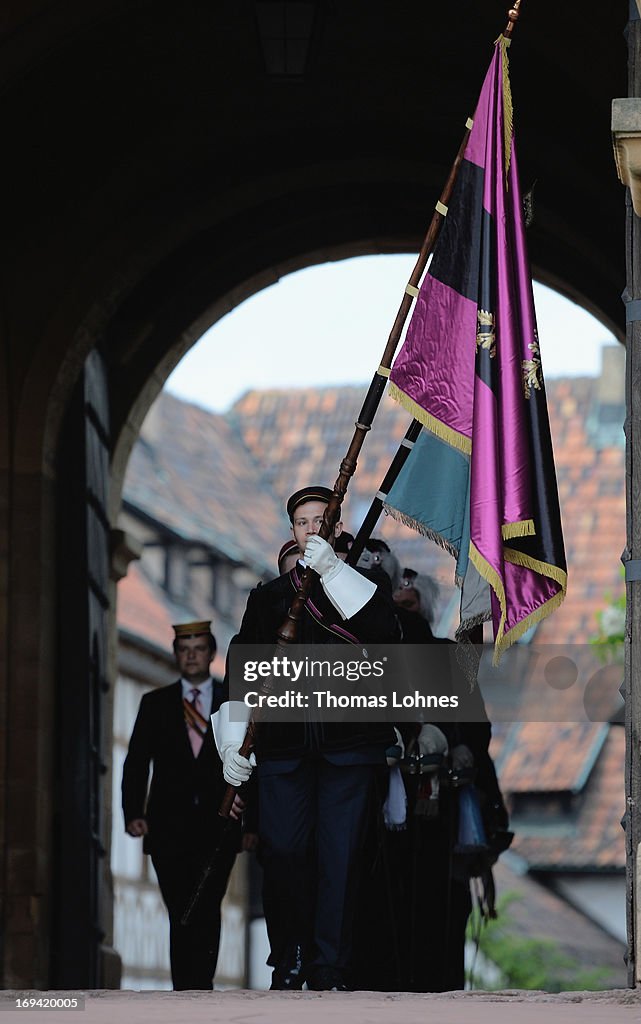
[(585, 758), (546, 758), (144, 611), (535, 912), (192, 472), (141, 610)]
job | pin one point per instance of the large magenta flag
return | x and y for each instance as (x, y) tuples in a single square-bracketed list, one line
[(470, 371)]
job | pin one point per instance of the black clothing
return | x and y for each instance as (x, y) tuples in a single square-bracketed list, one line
[(193, 948), (311, 821), (314, 786), (265, 613), (416, 896), (181, 811), (471, 725)]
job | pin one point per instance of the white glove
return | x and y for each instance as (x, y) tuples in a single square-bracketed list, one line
[(229, 736), (462, 757), (347, 589), (395, 753), (236, 768), (431, 740), (320, 556)]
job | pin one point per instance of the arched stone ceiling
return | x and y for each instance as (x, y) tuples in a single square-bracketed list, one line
[(153, 169)]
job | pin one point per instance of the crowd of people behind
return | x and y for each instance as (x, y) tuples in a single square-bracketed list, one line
[(368, 833)]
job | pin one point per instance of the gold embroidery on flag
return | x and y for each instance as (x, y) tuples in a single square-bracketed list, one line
[(485, 333), (532, 377)]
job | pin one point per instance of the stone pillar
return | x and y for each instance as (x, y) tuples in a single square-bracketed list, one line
[(626, 128), (27, 663), (4, 627)]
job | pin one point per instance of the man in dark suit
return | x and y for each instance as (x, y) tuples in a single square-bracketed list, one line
[(314, 778), (178, 817)]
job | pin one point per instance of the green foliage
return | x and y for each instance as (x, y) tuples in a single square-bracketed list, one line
[(526, 963), (610, 635)]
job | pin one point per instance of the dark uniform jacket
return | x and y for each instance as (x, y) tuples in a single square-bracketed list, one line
[(266, 610), (185, 792), (470, 724)]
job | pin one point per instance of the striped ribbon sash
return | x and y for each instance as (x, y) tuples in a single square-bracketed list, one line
[(195, 722)]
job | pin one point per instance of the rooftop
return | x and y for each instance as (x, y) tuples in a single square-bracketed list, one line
[(192, 472)]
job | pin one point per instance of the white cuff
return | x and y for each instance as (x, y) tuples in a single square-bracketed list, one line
[(348, 590), (395, 806), (228, 733)]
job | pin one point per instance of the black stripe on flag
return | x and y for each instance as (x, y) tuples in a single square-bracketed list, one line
[(456, 258), (486, 339)]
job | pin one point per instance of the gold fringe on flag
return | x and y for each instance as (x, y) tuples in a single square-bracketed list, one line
[(425, 531), (522, 627), (544, 568), (441, 430), (504, 640), (524, 528), (508, 109)]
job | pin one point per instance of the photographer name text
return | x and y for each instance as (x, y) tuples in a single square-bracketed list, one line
[(325, 699)]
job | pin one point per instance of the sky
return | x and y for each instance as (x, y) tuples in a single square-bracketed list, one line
[(328, 324)]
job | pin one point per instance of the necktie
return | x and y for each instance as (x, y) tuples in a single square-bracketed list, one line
[(195, 735)]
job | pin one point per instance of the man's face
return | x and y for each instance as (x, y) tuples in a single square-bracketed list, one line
[(307, 521), (408, 597), (193, 657)]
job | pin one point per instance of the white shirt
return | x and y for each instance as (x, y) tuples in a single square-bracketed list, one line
[(206, 691)]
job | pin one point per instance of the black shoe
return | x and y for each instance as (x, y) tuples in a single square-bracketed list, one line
[(327, 979), (289, 976)]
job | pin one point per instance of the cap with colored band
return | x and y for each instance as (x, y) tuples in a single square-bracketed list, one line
[(316, 493), (192, 628)]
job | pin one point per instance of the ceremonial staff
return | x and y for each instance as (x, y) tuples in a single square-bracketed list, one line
[(288, 631)]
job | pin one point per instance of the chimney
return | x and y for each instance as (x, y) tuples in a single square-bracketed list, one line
[(605, 420), (611, 387)]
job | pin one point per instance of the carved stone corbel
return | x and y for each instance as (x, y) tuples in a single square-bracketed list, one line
[(626, 141)]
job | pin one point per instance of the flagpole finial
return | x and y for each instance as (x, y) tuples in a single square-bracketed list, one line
[(513, 17)]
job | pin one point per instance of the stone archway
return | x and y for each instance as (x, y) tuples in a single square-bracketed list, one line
[(158, 175)]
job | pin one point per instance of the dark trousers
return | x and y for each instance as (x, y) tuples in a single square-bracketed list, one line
[(311, 827), (414, 906), (193, 948)]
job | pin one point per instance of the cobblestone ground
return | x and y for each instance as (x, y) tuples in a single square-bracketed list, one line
[(107, 1007)]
